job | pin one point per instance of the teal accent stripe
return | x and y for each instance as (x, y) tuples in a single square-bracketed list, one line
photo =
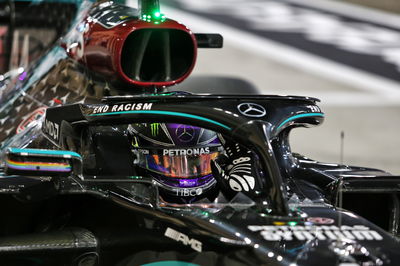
[(46, 152), (166, 113), (170, 263), (300, 116)]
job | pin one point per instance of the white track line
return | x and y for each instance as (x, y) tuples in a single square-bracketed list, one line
[(353, 11), (132, 3), (259, 46)]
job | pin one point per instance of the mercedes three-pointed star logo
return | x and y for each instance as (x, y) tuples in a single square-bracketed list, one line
[(252, 110), (185, 133)]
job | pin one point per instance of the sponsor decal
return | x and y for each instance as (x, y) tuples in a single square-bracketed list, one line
[(241, 182), (184, 152), (241, 160), (180, 237), (155, 129), (239, 176), (185, 133), (251, 110), (188, 192), (142, 151), (314, 108), (320, 232), (320, 220), (52, 129), (36, 115), (122, 107)]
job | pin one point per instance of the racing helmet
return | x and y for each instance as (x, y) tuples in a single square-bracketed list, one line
[(178, 156)]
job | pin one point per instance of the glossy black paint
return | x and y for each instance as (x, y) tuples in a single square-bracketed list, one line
[(212, 112)]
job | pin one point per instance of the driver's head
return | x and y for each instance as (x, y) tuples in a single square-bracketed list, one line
[(178, 156)]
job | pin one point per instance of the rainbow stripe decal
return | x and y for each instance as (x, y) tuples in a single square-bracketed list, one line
[(39, 166)]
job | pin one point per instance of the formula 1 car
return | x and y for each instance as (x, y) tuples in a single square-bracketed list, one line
[(71, 193)]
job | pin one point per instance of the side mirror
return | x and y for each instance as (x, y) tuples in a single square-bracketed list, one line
[(209, 40), (38, 162)]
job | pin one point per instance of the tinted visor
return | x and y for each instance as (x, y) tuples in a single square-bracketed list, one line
[(178, 166)]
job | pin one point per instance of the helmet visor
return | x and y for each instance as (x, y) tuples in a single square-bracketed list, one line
[(178, 166)]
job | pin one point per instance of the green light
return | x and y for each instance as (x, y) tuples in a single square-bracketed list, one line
[(292, 223), (206, 214), (157, 17), (151, 8)]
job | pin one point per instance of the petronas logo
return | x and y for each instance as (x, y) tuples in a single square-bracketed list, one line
[(155, 129)]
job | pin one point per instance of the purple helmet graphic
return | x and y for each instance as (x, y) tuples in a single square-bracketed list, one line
[(178, 156)]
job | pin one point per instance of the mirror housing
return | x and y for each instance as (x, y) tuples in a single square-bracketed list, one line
[(133, 47), (209, 40), (39, 162)]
